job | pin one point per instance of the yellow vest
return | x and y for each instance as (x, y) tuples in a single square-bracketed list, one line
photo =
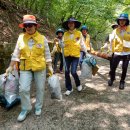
[(87, 43), (72, 46), (58, 48), (117, 43), (32, 59)]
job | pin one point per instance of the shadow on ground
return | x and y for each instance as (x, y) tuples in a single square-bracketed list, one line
[(97, 107)]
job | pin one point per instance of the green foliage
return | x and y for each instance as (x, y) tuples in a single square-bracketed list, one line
[(98, 15)]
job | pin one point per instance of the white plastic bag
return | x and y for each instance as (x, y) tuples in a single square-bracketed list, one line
[(86, 71), (126, 43), (11, 88), (54, 87), (2, 83)]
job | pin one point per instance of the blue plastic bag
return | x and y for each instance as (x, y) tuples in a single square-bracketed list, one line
[(90, 60)]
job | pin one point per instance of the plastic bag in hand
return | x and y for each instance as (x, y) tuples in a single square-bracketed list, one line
[(11, 88), (86, 71), (2, 83), (54, 87), (90, 60)]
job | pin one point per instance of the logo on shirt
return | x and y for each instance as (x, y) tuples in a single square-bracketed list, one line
[(77, 38), (128, 32), (39, 45)]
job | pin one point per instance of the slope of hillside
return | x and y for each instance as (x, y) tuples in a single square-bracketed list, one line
[(10, 16)]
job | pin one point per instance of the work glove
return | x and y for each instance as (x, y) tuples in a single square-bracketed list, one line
[(50, 69), (56, 40), (102, 49), (108, 51), (9, 70)]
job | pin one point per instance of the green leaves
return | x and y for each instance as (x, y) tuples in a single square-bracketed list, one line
[(96, 14)]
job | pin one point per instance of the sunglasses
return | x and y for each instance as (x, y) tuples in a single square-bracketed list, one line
[(29, 25)]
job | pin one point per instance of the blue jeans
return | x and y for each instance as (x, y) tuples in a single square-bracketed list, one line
[(25, 81), (71, 65)]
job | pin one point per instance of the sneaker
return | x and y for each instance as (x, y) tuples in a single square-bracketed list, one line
[(68, 92), (23, 114), (38, 112), (79, 88), (110, 82), (122, 86)]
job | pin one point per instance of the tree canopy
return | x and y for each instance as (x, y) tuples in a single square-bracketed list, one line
[(98, 15)]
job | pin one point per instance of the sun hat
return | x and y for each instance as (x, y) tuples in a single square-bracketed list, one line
[(28, 19), (65, 24), (123, 16), (59, 30), (84, 27)]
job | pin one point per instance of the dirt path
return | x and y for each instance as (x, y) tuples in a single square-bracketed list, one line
[(97, 107)]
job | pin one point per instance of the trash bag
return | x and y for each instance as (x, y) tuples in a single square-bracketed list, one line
[(54, 87), (6, 104), (11, 88), (86, 71), (90, 60), (10, 96), (2, 83)]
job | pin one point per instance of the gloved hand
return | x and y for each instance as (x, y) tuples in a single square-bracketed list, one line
[(102, 49), (108, 51), (9, 70), (50, 69)]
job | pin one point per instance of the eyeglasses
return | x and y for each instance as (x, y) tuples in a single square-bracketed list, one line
[(29, 25)]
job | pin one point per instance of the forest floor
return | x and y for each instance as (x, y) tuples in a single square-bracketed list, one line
[(97, 107)]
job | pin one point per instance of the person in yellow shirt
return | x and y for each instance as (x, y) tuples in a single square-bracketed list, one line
[(108, 45), (73, 44), (86, 38), (57, 52), (121, 49), (32, 51)]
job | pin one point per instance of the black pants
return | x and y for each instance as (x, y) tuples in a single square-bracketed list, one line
[(111, 62), (114, 63), (58, 57)]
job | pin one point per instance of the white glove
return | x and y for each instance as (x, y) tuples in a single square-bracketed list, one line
[(9, 70)]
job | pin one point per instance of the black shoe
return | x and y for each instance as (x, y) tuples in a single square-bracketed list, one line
[(110, 82), (122, 86)]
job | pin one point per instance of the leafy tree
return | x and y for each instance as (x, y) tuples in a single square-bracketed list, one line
[(96, 14)]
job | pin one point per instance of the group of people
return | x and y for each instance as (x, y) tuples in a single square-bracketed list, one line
[(119, 41), (33, 54), (58, 52)]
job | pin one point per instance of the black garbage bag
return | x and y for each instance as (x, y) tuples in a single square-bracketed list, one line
[(4, 103)]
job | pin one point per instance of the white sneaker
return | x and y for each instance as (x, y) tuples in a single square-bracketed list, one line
[(23, 114), (38, 112), (79, 88), (68, 92)]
